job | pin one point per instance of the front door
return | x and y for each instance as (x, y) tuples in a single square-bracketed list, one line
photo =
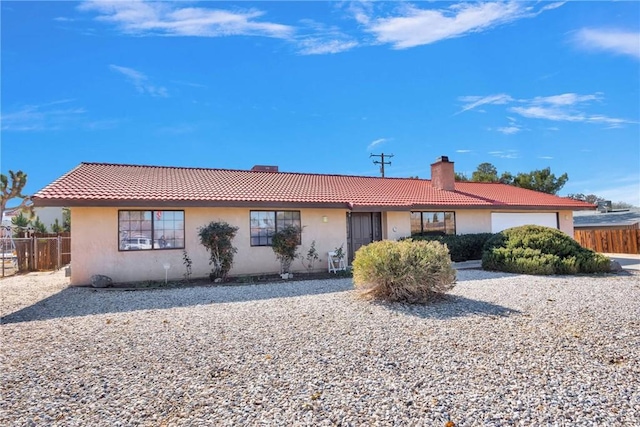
[(362, 229)]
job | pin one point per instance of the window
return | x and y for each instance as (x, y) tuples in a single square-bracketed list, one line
[(430, 223), (146, 230), (265, 223)]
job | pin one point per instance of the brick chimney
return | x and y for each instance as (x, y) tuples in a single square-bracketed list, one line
[(442, 174)]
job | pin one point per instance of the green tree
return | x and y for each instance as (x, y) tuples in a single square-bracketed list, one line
[(506, 178), (56, 227), (66, 219), (20, 223), (14, 191), (39, 226), (541, 180), (486, 172), (460, 177)]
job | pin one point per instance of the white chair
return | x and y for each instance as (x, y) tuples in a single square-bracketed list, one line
[(334, 263)]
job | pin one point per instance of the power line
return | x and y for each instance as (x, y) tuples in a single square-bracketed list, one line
[(381, 162)]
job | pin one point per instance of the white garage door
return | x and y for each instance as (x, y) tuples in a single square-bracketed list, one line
[(502, 221)]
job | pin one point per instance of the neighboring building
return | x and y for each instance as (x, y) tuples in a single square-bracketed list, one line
[(47, 215), (612, 220), (130, 220)]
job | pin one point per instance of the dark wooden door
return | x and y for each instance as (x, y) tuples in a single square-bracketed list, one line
[(364, 228)]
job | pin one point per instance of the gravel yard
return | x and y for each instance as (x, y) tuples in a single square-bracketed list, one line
[(500, 350)]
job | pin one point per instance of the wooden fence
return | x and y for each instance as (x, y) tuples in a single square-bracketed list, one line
[(42, 251), (609, 241)]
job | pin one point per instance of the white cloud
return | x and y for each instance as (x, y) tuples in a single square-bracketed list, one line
[(415, 27), (509, 154), (190, 84), (567, 107), (563, 115), (473, 102), (612, 40), (44, 117), (509, 130), (172, 19), (566, 99), (463, 151), (552, 6), (140, 81), (318, 46), (315, 38), (376, 143), (546, 157)]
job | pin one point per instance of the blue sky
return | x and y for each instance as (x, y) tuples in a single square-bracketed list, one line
[(319, 86)]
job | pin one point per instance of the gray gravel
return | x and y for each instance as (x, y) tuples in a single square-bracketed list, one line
[(500, 350)]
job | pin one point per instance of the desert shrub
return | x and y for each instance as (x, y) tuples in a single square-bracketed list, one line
[(285, 244), (533, 249), (217, 237), (408, 271), (462, 247), (311, 257)]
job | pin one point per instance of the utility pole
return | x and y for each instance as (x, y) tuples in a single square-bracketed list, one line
[(381, 162)]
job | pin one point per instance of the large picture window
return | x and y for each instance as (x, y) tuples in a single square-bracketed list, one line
[(432, 223), (147, 230), (265, 223)]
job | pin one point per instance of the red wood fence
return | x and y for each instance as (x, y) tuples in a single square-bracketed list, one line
[(609, 241)]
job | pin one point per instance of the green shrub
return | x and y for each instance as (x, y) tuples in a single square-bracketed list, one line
[(462, 247), (407, 271), (533, 249), (217, 238), (285, 244)]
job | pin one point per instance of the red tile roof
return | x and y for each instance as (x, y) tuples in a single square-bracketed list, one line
[(110, 184)]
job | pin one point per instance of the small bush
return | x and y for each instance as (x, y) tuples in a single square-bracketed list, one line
[(406, 271), (533, 249), (217, 238), (462, 247)]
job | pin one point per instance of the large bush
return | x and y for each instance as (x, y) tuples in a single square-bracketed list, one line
[(407, 271), (533, 249), (462, 247), (217, 237)]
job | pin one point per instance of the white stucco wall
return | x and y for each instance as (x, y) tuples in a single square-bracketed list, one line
[(48, 215), (473, 221), (396, 225), (94, 245)]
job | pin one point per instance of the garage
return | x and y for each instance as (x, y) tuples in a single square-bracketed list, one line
[(502, 221)]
